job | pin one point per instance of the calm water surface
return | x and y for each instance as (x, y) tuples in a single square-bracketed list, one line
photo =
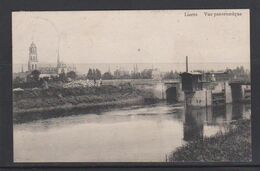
[(134, 134)]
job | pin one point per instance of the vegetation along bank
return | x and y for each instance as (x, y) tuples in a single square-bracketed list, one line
[(233, 146), (34, 104)]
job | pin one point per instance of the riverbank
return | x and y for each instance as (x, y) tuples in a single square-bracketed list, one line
[(233, 146), (57, 102)]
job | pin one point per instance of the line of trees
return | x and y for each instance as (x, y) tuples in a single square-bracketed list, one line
[(94, 74), (122, 74), (239, 73), (147, 74), (171, 75)]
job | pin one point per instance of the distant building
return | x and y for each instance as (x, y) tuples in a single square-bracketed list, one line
[(46, 71), (217, 76), (120, 73), (33, 64)]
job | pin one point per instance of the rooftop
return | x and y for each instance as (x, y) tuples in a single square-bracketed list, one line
[(192, 73)]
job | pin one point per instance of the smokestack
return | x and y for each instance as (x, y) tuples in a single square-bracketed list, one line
[(187, 67)]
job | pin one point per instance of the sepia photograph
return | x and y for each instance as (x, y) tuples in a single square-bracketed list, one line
[(131, 86)]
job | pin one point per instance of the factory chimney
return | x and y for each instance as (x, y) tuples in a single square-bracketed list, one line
[(187, 67)]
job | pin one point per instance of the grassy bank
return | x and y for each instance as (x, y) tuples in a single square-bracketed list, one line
[(36, 104), (233, 146), (32, 114)]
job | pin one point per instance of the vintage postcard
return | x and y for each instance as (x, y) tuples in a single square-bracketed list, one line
[(131, 86)]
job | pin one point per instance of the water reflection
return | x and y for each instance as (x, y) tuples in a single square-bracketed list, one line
[(132, 134), (193, 124), (198, 118)]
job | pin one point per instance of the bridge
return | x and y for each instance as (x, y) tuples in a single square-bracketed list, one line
[(239, 82), (171, 90), (163, 89), (240, 90)]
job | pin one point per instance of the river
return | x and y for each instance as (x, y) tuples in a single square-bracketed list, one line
[(145, 133)]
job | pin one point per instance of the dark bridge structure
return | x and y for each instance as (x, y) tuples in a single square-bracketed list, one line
[(241, 90), (173, 89)]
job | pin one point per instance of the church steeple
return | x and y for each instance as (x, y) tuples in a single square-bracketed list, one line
[(58, 58), (33, 60)]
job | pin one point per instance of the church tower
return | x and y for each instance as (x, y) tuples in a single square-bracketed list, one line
[(33, 61)]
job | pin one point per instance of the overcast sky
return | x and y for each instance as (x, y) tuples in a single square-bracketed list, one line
[(132, 37)]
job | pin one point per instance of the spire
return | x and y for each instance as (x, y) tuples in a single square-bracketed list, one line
[(58, 58), (22, 68), (33, 45)]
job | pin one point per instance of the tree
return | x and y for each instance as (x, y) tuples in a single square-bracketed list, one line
[(90, 74), (94, 74), (62, 76), (177, 75), (146, 74), (35, 74), (117, 73), (98, 74), (107, 76), (171, 75), (135, 75), (242, 71), (72, 74), (121, 74), (18, 80)]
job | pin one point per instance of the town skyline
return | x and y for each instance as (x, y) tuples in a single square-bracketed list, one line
[(163, 67), (104, 67)]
